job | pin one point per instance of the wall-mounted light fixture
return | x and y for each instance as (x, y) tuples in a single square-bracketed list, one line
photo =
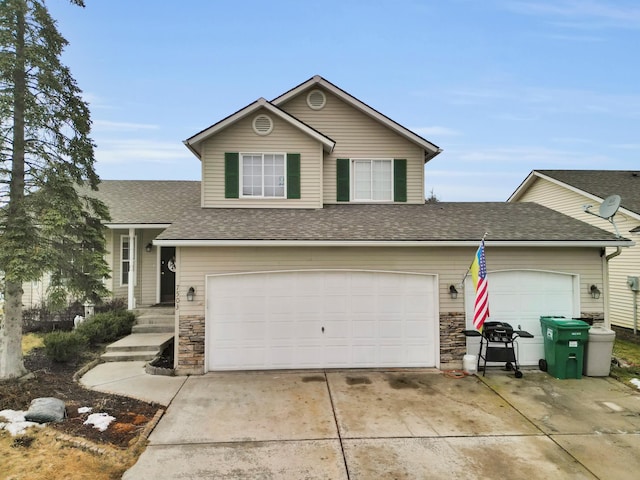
[(453, 292), (190, 294), (148, 247), (594, 291)]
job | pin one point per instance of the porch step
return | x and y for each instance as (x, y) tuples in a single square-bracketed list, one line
[(129, 356), (137, 346), (154, 320), (158, 328)]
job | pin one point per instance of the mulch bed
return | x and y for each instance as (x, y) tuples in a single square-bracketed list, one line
[(56, 380)]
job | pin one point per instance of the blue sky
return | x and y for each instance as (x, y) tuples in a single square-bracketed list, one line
[(502, 86)]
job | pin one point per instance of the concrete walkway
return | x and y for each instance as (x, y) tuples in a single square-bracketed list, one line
[(376, 424)]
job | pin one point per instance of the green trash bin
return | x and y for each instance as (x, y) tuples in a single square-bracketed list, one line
[(564, 341)]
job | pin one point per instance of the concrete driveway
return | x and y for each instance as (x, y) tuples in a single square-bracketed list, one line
[(396, 425)]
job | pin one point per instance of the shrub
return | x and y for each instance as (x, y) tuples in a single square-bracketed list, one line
[(107, 327), (64, 347)]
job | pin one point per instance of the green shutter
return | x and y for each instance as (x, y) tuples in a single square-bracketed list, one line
[(231, 175), (293, 175), (342, 180), (399, 180)]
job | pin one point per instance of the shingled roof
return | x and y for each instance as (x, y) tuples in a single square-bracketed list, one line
[(431, 222), (147, 201), (602, 183)]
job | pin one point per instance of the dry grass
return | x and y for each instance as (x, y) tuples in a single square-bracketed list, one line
[(629, 352), (31, 341), (41, 455)]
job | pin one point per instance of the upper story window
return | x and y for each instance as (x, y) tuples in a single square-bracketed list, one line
[(372, 180), (263, 175)]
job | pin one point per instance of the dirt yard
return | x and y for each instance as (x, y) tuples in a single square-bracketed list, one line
[(70, 449)]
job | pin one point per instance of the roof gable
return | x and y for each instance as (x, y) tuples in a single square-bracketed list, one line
[(595, 184), (194, 143), (431, 150)]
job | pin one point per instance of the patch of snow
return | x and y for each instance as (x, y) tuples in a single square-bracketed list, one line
[(635, 381), (15, 423), (84, 409), (99, 421)]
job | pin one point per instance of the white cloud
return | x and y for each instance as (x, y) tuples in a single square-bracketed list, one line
[(119, 126), (582, 13), (436, 131), (139, 150)]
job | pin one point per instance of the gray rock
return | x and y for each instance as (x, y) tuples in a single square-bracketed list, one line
[(45, 410)]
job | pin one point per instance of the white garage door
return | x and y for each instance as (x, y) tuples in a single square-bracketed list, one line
[(520, 298), (321, 319)]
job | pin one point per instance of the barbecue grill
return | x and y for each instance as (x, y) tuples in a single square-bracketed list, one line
[(497, 345)]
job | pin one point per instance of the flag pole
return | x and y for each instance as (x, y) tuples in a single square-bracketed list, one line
[(469, 269)]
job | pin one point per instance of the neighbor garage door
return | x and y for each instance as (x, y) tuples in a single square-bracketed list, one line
[(520, 298), (321, 319)]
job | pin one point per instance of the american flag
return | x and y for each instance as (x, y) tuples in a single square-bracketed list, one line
[(479, 276)]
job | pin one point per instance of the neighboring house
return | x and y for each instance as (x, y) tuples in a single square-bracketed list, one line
[(308, 244), (567, 191)]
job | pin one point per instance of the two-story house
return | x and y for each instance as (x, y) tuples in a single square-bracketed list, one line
[(308, 244)]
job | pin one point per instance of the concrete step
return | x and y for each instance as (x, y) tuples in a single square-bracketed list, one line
[(141, 356), (136, 347), (154, 328)]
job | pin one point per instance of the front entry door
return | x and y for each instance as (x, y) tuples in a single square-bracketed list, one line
[(168, 274)]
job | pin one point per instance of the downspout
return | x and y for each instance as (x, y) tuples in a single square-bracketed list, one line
[(605, 280), (614, 254)]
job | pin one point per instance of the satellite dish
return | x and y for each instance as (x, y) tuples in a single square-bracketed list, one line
[(608, 209), (610, 206)]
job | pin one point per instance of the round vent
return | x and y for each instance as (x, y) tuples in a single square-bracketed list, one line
[(262, 125), (316, 99)]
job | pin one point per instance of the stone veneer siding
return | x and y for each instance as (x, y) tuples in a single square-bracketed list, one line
[(190, 345), (453, 344)]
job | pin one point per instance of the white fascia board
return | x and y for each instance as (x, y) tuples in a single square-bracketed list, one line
[(363, 107), (193, 142), (523, 187), (366, 243), (139, 226)]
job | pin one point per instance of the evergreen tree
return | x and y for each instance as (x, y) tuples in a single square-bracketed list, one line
[(49, 223)]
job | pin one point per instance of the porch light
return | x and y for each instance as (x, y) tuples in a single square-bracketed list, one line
[(453, 292), (595, 292), (190, 294), (148, 247)]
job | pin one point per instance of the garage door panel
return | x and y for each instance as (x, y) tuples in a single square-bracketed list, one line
[(520, 298), (369, 320)]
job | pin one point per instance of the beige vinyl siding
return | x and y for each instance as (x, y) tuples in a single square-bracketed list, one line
[(284, 138), (109, 258), (146, 289), (449, 264), (358, 136), (626, 264)]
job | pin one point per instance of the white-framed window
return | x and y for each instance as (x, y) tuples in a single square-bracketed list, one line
[(372, 179), (263, 175), (127, 249)]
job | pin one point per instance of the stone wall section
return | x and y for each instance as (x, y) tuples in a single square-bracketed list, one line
[(190, 346), (453, 344)]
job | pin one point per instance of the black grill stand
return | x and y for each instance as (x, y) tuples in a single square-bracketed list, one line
[(497, 345)]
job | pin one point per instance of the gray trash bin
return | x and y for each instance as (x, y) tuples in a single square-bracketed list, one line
[(597, 352)]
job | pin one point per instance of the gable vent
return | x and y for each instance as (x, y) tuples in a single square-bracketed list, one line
[(262, 125), (316, 99)]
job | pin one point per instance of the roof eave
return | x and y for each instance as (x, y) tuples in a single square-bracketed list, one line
[(391, 243)]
